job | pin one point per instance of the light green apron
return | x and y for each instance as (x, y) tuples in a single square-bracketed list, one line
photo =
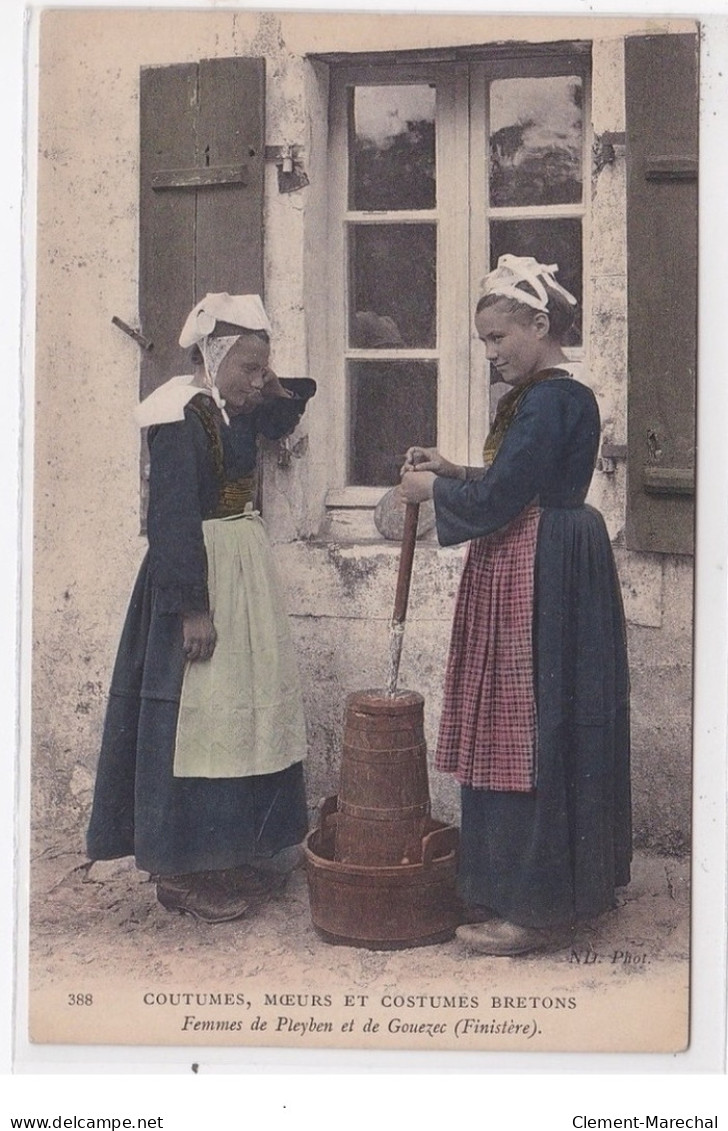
[(241, 712)]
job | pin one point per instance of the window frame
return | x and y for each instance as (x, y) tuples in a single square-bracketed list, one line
[(462, 118), (482, 73)]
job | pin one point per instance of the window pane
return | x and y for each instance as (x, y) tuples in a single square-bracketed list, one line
[(393, 404), (548, 241), (392, 147), (536, 141), (392, 299)]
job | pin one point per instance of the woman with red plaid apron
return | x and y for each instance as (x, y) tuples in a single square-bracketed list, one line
[(535, 721)]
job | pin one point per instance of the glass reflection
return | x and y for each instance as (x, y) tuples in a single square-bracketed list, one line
[(392, 291), (548, 241), (392, 148), (536, 141), (393, 404)]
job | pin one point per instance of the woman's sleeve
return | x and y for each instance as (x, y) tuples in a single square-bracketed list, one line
[(279, 416), (177, 558), (525, 462)]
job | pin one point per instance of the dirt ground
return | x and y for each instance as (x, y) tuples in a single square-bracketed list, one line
[(107, 913), (99, 926)]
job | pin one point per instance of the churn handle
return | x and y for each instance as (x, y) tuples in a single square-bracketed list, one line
[(409, 537), (440, 842), (327, 812)]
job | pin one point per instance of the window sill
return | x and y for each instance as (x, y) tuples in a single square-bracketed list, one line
[(346, 498), (350, 514), (350, 517)]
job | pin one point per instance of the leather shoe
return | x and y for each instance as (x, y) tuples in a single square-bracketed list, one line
[(476, 913), (501, 939), (251, 883), (202, 895)]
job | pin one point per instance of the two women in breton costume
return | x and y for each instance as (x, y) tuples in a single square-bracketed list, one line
[(200, 772)]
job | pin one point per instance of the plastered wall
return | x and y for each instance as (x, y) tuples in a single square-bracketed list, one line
[(84, 386)]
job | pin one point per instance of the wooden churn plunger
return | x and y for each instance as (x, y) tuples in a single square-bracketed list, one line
[(401, 598), (381, 872)]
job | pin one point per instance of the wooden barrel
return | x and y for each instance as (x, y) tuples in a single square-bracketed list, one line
[(384, 799)]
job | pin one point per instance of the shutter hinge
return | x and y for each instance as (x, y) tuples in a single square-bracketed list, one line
[(284, 155), (289, 159), (606, 148), (609, 455)]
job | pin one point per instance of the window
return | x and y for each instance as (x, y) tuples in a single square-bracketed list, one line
[(392, 270), (437, 169), (536, 173)]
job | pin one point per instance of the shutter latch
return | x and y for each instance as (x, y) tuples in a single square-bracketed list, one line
[(609, 455), (289, 158), (137, 337)]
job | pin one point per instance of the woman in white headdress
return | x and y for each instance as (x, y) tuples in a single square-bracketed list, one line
[(200, 774), (535, 721)]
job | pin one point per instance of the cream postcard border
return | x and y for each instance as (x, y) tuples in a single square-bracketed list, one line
[(708, 969)]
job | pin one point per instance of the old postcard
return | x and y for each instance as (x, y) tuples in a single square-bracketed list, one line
[(387, 802)]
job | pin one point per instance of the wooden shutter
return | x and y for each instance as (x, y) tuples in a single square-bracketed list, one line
[(662, 203), (201, 204)]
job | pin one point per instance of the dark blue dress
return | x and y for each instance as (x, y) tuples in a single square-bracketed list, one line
[(181, 825), (554, 855)]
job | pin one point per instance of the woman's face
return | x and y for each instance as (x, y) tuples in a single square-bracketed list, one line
[(242, 374), (514, 345)]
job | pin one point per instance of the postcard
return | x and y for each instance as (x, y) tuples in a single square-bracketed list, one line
[(317, 764)]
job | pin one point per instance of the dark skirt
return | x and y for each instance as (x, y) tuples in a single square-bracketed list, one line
[(176, 825), (555, 855)]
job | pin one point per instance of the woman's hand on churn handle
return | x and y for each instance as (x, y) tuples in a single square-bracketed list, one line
[(419, 470), (416, 486), (429, 459)]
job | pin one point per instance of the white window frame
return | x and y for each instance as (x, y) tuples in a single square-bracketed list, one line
[(462, 244)]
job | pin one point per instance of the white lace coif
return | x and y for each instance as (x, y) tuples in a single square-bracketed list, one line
[(246, 311), (241, 310), (514, 269), (167, 403)]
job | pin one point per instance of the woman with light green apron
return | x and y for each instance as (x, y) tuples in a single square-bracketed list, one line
[(200, 775)]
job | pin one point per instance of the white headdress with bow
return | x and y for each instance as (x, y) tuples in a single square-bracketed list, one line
[(514, 269)]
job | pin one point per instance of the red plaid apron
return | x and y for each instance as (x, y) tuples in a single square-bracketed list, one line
[(488, 724)]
